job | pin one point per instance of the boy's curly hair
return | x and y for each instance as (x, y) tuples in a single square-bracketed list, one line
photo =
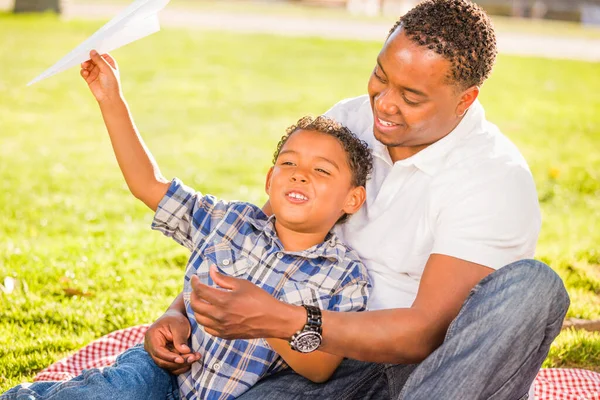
[(458, 30), (357, 151)]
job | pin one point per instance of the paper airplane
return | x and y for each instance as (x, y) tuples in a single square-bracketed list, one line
[(137, 21)]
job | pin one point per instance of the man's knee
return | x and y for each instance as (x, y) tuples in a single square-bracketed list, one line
[(542, 291)]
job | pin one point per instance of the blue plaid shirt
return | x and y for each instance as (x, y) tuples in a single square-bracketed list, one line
[(241, 241)]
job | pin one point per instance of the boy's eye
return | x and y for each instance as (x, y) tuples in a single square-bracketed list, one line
[(322, 171), (287, 163)]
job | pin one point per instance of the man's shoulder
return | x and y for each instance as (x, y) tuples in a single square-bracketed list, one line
[(355, 113)]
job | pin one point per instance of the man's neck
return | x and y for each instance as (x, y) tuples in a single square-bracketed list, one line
[(297, 241)]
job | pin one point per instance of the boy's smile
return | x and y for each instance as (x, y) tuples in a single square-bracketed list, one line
[(310, 185)]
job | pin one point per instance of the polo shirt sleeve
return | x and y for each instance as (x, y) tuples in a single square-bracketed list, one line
[(187, 216), (492, 219), (353, 292)]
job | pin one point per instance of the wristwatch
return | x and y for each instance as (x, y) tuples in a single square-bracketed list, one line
[(309, 338)]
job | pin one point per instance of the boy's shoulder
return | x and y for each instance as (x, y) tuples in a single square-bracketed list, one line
[(237, 211), (349, 260)]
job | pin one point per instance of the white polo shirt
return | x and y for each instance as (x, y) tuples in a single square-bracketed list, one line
[(470, 195)]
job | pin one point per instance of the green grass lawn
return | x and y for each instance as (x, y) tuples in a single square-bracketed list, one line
[(211, 107)]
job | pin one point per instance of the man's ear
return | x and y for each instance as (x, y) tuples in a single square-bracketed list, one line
[(467, 98), (268, 180), (355, 200)]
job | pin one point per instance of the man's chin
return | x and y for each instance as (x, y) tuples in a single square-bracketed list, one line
[(386, 139)]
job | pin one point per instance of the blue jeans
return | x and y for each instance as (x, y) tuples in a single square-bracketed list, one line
[(134, 376), (493, 349)]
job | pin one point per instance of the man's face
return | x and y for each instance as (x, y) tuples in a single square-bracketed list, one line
[(310, 184), (413, 102)]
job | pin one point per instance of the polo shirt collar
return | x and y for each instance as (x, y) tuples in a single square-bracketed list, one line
[(331, 247), (431, 159)]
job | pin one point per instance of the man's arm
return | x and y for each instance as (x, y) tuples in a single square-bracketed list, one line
[(394, 336)]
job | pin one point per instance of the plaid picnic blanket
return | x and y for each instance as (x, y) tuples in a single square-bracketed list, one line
[(550, 383)]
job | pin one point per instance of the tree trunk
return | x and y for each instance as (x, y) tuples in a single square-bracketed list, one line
[(37, 6)]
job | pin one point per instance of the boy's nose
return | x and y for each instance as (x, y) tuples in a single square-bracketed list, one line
[(296, 178)]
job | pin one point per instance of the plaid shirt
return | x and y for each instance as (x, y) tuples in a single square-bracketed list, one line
[(241, 241)]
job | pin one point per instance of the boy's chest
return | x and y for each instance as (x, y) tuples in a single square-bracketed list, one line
[(258, 259)]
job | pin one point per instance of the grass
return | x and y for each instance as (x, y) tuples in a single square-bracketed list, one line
[(211, 107)]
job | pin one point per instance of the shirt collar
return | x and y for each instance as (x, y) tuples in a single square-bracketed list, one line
[(331, 247), (431, 159)]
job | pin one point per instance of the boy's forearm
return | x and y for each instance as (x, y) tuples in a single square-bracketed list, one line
[(316, 366), (139, 169)]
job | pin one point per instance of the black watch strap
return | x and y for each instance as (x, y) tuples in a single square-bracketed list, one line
[(313, 319)]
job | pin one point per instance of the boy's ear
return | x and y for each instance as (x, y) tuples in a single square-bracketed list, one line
[(268, 180), (355, 200)]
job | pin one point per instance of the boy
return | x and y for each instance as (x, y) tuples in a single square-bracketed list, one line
[(317, 180)]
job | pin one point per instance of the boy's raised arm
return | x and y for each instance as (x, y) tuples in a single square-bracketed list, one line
[(139, 168)]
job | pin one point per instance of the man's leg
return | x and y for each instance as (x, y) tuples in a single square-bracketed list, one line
[(133, 376), (497, 343), (352, 380)]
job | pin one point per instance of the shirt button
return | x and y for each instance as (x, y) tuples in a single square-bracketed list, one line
[(279, 255), (225, 262), (216, 366), (332, 242)]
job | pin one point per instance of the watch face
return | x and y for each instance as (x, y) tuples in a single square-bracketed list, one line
[(307, 342)]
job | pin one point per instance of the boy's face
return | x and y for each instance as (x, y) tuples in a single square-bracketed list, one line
[(309, 186)]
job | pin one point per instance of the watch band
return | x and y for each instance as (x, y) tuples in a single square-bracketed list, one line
[(313, 324), (313, 319)]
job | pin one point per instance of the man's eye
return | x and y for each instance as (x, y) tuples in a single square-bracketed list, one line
[(287, 163), (379, 77), (409, 102), (322, 171)]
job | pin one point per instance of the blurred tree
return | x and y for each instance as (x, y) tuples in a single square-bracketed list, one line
[(37, 6)]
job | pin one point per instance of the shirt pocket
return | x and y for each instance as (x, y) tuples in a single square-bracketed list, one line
[(297, 294), (227, 260)]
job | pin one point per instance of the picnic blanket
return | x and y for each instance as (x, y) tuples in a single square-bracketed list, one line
[(550, 383)]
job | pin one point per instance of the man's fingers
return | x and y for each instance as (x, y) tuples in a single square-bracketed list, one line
[(224, 281), (179, 339), (165, 354), (205, 292)]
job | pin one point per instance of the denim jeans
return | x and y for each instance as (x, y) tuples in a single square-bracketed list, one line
[(134, 376), (493, 349)]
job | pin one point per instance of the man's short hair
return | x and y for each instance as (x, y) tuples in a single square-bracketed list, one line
[(458, 30)]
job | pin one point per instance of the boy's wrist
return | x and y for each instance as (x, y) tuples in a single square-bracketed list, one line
[(112, 101)]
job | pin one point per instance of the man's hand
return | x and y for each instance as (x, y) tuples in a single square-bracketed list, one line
[(243, 311), (101, 73), (166, 340)]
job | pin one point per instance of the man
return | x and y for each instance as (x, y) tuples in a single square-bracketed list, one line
[(451, 217)]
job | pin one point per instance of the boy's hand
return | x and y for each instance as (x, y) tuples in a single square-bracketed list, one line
[(102, 76), (166, 342)]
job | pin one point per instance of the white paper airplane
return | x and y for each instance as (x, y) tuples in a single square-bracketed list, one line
[(137, 21)]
